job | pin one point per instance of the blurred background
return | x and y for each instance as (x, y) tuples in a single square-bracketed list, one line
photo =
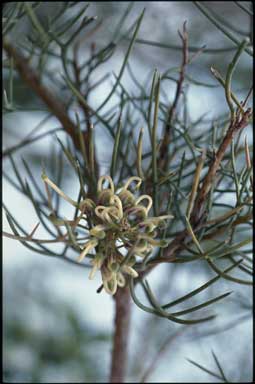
[(56, 327)]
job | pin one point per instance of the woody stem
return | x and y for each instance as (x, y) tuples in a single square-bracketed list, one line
[(121, 335)]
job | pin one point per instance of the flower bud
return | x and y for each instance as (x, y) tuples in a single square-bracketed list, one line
[(130, 271), (87, 204), (127, 198), (110, 286), (105, 196), (131, 261), (121, 281), (113, 266)]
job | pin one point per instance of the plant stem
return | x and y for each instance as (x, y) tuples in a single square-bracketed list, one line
[(121, 335)]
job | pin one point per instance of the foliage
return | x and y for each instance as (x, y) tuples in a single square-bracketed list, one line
[(56, 339)]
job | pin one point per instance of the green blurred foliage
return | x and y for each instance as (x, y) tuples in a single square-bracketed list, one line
[(47, 338)]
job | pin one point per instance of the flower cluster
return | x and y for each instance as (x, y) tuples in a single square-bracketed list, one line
[(120, 230)]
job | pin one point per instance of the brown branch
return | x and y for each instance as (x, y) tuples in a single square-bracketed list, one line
[(56, 107), (235, 126), (30, 77), (198, 214), (222, 229), (121, 335), (183, 235)]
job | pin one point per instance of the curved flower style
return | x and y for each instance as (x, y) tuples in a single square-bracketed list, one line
[(118, 220)]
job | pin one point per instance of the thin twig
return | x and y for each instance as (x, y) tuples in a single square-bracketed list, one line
[(161, 352), (77, 70), (234, 127), (163, 155), (28, 74), (30, 239)]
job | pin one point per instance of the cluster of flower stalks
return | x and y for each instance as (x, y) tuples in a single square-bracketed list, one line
[(119, 229)]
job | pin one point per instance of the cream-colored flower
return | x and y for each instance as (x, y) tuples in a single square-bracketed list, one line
[(121, 281), (115, 200), (111, 285), (145, 197), (98, 231), (87, 247), (116, 220), (130, 180), (97, 264), (130, 271), (100, 183)]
